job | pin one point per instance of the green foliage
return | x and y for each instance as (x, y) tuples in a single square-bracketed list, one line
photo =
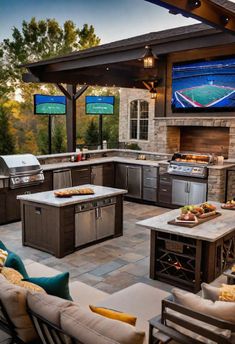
[(6, 138), (58, 139), (133, 146), (36, 40), (92, 134)]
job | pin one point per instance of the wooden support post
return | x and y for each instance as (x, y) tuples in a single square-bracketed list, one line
[(71, 119), (72, 95)]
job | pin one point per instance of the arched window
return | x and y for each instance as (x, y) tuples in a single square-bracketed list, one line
[(139, 119)]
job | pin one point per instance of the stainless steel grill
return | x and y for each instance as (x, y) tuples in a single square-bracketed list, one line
[(22, 170), (190, 164)]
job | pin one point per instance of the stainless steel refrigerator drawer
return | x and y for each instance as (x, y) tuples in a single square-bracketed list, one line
[(150, 194), (150, 182), (150, 172)]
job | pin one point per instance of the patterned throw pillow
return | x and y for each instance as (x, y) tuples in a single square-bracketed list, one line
[(15, 278), (227, 293), (3, 258)]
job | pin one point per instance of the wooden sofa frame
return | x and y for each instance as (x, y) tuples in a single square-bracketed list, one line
[(166, 333)]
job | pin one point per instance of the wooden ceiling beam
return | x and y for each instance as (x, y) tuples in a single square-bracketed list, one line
[(206, 11)]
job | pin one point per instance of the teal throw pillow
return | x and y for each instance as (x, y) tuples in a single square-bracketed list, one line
[(14, 261), (57, 285)]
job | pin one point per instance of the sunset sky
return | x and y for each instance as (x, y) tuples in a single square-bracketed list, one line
[(112, 19)]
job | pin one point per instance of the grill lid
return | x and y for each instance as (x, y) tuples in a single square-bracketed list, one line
[(192, 158), (20, 163)]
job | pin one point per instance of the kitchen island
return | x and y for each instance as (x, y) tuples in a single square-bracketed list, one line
[(186, 257), (59, 226)]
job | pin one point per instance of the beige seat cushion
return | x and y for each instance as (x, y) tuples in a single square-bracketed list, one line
[(47, 306), (140, 300), (80, 292), (218, 309), (14, 300), (90, 328)]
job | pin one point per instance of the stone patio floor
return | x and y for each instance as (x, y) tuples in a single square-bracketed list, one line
[(109, 266)]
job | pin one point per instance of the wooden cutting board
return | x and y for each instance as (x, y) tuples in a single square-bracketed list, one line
[(191, 225)]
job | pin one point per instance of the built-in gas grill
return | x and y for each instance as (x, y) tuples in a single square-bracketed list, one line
[(190, 164), (22, 169)]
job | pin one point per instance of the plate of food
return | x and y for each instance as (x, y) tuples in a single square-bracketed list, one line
[(230, 205), (192, 215)]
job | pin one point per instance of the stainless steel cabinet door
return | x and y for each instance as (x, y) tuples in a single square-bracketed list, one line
[(85, 227), (179, 192), (121, 176), (97, 175), (197, 192), (134, 177), (105, 221)]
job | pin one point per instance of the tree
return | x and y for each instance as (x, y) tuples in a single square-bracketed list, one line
[(40, 40), (58, 138), (36, 40), (92, 134), (6, 139)]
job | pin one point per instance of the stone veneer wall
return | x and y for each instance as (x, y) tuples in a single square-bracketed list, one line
[(216, 184), (126, 96), (167, 131)]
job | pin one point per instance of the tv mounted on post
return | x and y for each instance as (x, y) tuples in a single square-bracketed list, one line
[(49, 105), (100, 105), (204, 86)]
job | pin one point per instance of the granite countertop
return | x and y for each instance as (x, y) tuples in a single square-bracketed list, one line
[(209, 231), (48, 197), (97, 161)]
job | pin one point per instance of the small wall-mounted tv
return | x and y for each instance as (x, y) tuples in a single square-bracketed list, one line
[(49, 105), (100, 105), (204, 86)]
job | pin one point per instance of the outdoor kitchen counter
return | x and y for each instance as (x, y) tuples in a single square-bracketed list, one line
[(96, 161), (49, 198), (60, 226), (186, 257), (210, 231)]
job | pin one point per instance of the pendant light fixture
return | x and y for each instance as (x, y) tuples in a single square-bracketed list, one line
[(149, 58)]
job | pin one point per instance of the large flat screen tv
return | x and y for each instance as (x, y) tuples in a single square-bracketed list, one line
[(49, 105), (99, 105), (204, 86)]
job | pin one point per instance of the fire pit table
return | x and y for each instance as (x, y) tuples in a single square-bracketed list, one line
[(186, 257)]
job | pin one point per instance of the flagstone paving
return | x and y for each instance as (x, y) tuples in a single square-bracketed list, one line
[(109, 266)]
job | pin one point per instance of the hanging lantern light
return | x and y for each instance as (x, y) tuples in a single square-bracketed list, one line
[(149, 58)]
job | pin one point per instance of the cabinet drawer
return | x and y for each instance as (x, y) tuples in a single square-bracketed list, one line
[(150, 194), (165, 179), (167, 188), (164, 197), (150, 172), (150, 182)]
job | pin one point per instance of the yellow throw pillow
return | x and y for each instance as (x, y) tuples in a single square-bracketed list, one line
[(3, 258), (112, 314), (15, 278), (11, 275), (227, 293)]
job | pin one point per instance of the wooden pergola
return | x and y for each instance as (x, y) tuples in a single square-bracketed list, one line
[(120, 63)]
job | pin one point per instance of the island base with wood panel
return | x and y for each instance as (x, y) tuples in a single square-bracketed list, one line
[(60, 226)]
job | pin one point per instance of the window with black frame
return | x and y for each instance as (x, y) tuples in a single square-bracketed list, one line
[(139, 119)]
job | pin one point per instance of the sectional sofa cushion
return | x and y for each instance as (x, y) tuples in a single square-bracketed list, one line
[(218, 309), (47, 306), (14, 261), (13, 299), (210, 292), (90, 328), (56, 285)]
